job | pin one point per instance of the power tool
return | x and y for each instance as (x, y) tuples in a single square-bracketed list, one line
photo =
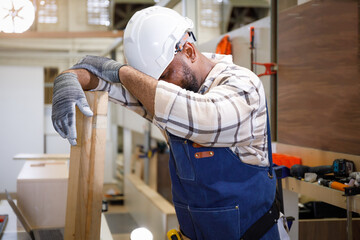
[(340, 168)]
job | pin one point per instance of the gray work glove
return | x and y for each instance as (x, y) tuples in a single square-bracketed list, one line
[(102, 67), (67, 94)]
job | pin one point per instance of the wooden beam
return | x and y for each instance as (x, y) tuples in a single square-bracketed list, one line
[(86, 173), (94, 34)]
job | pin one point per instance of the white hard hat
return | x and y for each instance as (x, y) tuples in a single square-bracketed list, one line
[(150, 38)]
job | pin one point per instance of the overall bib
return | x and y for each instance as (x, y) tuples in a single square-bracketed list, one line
[(217, 196)]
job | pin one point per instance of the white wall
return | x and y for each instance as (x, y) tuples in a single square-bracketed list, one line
[(21, 119), (240, 39), (54, 143)]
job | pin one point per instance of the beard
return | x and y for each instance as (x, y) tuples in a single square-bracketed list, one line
[(189, 82)]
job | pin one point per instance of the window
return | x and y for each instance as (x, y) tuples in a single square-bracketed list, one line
[(98, 12), (47, 11)]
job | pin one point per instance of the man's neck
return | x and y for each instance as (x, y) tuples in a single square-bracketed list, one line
[(206, 65)]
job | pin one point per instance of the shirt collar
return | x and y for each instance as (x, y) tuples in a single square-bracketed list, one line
[(222, 61)]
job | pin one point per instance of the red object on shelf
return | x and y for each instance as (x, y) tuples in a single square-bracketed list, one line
[(268, 68), (285, 160)]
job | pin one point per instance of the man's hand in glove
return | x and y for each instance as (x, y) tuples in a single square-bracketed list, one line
[(67, 93), (104, 68)]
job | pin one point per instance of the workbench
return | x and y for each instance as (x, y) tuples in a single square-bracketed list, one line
[(292, 186), (321, 193)]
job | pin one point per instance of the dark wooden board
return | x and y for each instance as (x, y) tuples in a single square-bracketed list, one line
[(319, 76)]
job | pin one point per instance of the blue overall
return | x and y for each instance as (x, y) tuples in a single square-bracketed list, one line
[(217, 196)]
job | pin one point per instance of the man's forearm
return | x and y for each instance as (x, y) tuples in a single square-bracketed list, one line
[(142, 86), (87, 80)]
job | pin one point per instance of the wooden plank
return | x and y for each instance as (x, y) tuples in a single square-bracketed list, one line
[(86, 173), (315, 157), (318, 76), (153, 171), (41, 157), (320, 193), (94, 34)]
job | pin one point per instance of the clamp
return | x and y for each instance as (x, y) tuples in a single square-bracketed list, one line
[(270, 68)]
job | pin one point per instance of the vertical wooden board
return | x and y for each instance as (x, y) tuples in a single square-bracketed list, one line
[(318, 76), (153, 173), (83, 218), (96, 180), (84, 175), (73, 182)]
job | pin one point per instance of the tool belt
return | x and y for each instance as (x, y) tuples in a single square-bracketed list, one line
[(263, 224)]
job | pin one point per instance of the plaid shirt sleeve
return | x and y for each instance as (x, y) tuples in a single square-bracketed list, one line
[(228, 111), (120, 95)]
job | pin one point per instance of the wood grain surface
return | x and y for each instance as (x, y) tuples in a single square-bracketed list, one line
[(319, 76), (86, 172)]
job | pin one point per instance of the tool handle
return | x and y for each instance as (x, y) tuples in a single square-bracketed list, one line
[(333, 184), (252, 36), (338, 185)]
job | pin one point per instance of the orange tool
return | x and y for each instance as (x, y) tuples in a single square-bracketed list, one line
[(252, 46), (333, 184)]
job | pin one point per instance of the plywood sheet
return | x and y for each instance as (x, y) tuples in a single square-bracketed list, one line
[(318, 76)]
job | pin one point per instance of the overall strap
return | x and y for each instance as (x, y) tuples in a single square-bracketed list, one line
[(269, 141), (267, 221)]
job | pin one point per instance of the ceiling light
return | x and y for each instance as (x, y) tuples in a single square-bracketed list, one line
[(16, 16)]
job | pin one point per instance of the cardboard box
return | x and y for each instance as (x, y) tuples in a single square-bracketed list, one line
[(42, 192)]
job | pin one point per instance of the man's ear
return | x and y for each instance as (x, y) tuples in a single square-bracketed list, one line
[(190, 51)]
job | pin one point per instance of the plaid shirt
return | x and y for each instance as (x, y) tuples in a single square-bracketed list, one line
[(229, 110)]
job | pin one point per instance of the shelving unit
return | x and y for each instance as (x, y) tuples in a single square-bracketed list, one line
[(321, 193), (315, 157)]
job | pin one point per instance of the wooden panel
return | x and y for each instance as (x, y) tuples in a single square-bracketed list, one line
[(163, 176), (325, 229), (41, 193), (318, 76), (86, 172)]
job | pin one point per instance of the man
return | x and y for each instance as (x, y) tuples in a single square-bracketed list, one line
[(212, 112)]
